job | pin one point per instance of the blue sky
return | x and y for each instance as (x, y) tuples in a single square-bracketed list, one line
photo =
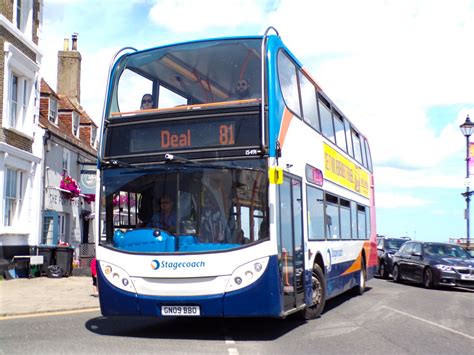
[(401, 70)]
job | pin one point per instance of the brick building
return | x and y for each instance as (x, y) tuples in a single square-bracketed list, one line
[(70, 151), (20, 137)]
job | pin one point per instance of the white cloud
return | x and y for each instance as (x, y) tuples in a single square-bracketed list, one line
[(395, 200), (196, 16), (383, 63)]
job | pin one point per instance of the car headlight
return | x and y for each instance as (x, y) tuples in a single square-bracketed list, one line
[(246, 274), (117, 276), (445, 268), (390, 255)]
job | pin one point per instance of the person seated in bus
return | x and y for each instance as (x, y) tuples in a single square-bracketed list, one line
[(164, 216), (147, 102), (241, 90), (241, 238)]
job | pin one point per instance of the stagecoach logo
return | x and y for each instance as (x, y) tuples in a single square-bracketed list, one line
[(329, 265), (174, 265)]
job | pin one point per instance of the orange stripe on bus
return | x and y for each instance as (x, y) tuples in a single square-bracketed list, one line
[(285, 124), (355, 265), (185, 107)]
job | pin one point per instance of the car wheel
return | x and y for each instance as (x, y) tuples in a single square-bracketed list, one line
[(428, 278), (318, 295), (396, 273), (383, 270)]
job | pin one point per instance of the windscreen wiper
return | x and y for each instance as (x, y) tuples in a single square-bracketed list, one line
[(114, 163)]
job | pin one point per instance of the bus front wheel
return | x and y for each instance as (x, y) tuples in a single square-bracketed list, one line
[(318, 295)]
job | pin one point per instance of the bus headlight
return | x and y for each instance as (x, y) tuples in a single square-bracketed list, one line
[(246, 274), (117, 276)]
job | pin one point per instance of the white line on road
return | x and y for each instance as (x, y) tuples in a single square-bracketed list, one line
[(432, 323), (230, 341)]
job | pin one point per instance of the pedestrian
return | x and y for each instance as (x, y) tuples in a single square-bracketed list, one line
[(93, 267)]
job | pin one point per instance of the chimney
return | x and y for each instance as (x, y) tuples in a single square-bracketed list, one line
[(69, 71)]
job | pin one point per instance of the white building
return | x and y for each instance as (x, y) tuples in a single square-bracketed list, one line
[(20, 137)]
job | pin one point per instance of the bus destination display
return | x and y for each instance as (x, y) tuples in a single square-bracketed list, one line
[(165, 136)]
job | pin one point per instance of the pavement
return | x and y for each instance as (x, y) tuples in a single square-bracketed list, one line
[(19, 297)]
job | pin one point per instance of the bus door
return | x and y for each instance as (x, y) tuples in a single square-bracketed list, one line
[(290, 242)]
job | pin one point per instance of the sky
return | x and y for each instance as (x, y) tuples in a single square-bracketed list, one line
[(401, 70)]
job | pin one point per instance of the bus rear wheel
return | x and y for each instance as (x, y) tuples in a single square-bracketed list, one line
[(318, 295)]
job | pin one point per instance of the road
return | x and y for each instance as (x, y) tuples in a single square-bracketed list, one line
[(388, 319)]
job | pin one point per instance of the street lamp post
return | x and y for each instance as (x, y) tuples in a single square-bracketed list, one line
[(467, 128)]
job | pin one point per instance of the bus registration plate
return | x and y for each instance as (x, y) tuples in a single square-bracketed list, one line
[(185, 311)]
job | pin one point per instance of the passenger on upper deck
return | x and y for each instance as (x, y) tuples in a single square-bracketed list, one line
[(242, 90), (147, 102)]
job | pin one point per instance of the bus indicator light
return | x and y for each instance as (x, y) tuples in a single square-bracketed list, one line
[(275, 175)]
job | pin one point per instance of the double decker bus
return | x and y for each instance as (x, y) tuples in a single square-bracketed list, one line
[(271, 186)]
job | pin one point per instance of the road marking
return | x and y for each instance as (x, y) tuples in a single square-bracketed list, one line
[(230, 341), (44, 314), (431, 323)]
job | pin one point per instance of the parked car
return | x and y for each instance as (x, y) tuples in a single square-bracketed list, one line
[(386, 248), (433, 264)]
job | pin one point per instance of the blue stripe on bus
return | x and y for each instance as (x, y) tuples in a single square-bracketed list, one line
[(262, 298)]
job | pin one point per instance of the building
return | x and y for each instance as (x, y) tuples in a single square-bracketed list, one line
[(70, 155), (20, 138)]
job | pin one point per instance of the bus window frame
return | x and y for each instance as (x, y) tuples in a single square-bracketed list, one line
[(334, 204), (357, 134), (347, 128), (337, 116), (283, 52), (346, 207), (308, 187), (369, 157), (307, 121), (327, 105)]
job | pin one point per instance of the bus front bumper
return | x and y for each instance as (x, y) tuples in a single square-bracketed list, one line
[(260, 299)]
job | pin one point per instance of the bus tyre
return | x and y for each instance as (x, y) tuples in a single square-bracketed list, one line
[(318, 295), (360, 288)]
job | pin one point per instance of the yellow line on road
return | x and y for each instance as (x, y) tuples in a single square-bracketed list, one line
[(45, 314)]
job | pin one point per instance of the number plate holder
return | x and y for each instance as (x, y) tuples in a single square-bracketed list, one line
[(180, 311)]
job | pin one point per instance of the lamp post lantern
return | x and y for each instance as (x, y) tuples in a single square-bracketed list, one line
[(467, 129)]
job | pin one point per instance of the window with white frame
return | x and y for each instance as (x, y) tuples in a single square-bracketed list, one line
[(13, 195), (18, 100), (13, 100), (53, 110), (66, 161), (75, 124), (23, 15), (18, 13)]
